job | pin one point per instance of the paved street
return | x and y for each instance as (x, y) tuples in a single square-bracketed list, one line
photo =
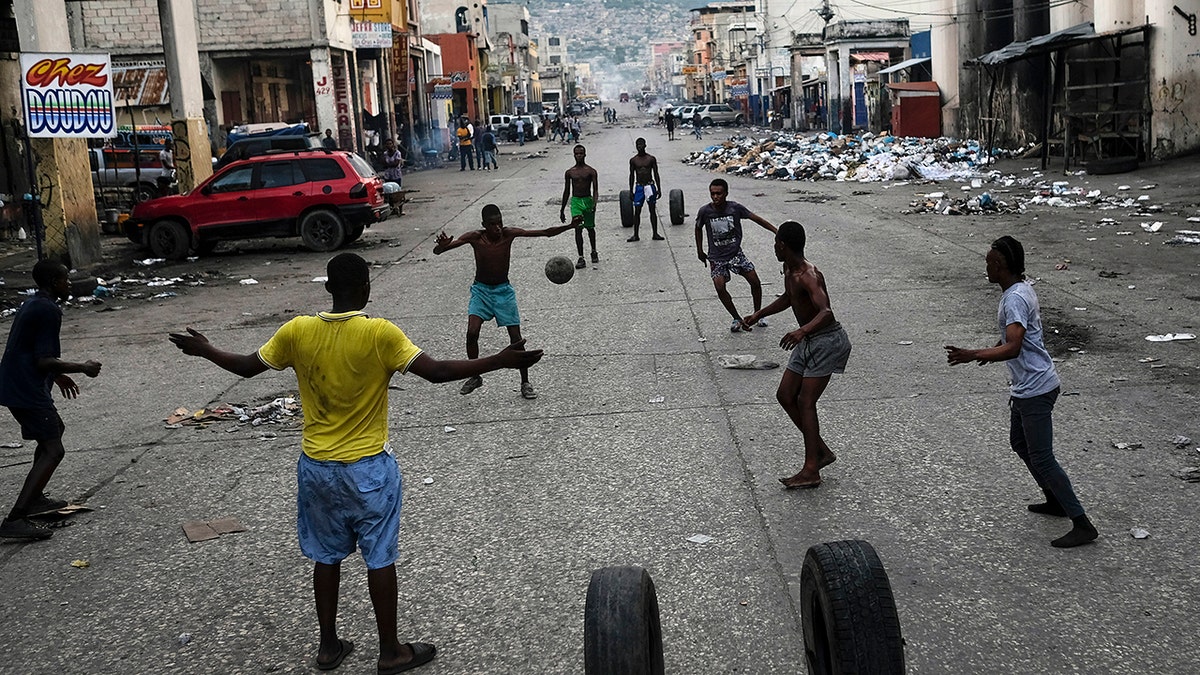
[(639, 440)]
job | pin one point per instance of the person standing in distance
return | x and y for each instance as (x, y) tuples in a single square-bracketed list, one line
[(1034, 390), (722, 221), (644, 185), (581, 185), (30, 369)]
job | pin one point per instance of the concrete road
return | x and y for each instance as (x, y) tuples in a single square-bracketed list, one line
[(638, 441)]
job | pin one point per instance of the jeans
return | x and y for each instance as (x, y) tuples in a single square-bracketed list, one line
[(521, 137), (1031, 434), (466, 156)]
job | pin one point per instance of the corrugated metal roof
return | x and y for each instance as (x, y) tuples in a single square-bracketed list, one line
[(143, 83), (904, 64)]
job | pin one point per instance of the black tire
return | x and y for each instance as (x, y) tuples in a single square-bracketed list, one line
[(355, 232), (739, 120), (621, 630), (848, 612), (144, 192), (626, 199), (1104, 167), (675, 200), (706, 122), (206, 246), (322, 230), (169, 239)]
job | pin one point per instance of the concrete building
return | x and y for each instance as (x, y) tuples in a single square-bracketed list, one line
[(443, 18), (722, 34), (512, 71), (555, 71)]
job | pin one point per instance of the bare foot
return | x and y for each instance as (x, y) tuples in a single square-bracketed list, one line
[(826, 460), (801, 481)]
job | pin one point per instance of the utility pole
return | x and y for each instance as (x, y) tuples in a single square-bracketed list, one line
[(193, 157)]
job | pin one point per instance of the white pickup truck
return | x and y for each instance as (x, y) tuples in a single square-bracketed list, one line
[(116, 168)]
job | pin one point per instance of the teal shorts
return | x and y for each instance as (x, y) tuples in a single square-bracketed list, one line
[(497, 302)]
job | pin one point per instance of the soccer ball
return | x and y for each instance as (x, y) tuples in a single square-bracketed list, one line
[(559, 269)]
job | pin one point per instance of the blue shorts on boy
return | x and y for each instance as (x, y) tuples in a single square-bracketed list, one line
[(494, 301), (340, 507)]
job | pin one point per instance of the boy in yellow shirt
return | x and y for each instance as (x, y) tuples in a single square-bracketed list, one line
[(349, 485)]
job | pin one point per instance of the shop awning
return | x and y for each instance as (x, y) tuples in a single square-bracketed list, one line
[(142, 83), (903, 65), (882, 57)]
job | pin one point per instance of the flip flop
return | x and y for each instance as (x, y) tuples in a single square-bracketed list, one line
[(345, 647), (423, 653)]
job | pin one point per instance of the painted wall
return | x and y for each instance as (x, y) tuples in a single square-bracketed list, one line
[(1174, 81)]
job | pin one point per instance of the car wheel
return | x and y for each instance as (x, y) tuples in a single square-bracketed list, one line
[(355, 232), (626, 200), (169, 239), (740, 119), (706, 122), (848, 612), (144, 192), (206, 246), (675, 199), (322, 230), (622, 631)]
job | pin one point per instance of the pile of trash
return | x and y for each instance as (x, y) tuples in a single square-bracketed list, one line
[(278, 411), (863, 158)]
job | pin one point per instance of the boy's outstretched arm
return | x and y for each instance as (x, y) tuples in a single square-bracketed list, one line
[(777, 305), (764, 223), (513, 356), (549, 231), (195, 344), (442, 242)]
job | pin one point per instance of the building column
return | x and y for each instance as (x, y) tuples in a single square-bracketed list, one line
[(68, 206), (324, 100), (177, 19)]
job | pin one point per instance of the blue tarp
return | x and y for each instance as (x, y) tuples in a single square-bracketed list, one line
[(294, 130)]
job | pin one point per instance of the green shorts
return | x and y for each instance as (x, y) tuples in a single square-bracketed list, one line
[(585, 206)]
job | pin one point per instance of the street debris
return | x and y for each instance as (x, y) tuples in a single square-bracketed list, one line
[(279, 410), (658, 399), (448, 429), (428, 481), (184, 638), (1190, 475), (744, 362), (80, 564), (1184, 238), (1170, 337), (12, 445), (248, 282), (828, 156), (203, 530), (1139, 533), (1181, 441), (700, 539), (1126, 446)]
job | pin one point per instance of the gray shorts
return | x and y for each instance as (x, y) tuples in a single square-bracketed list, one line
[(823, 353)]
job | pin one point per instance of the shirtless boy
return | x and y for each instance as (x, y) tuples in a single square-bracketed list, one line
[(820, 347), (581, 186), (492, 296), (644, 184)]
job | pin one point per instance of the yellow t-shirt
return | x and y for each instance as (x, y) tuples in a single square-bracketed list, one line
[(343, 363)]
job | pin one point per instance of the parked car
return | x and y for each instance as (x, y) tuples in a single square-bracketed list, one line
[(718, 113), (122, 168), (257, 145), (326, 197), (684, 113), (533, 128)]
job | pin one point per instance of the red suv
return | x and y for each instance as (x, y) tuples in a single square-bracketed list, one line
[(326, 197)]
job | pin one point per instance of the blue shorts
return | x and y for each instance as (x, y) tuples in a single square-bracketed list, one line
[(498, 302), (340, 507), (642, 193), (39, 424)]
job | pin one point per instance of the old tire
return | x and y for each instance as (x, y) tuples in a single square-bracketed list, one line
[(322, 230), (626, 199), (848, 612), (675, 200), (355, 232), (621, 630), (169, 239)]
